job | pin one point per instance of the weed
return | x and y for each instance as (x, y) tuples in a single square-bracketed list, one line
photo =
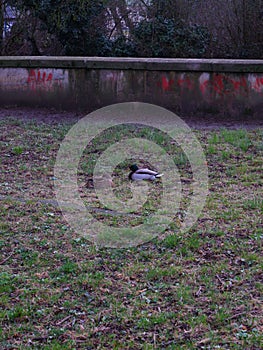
[(254, 203), (214, 139), (171, 241), (238, 138), (17, 150), (211, 149)]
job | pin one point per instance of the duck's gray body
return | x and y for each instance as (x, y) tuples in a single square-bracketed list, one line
[(143, 174)]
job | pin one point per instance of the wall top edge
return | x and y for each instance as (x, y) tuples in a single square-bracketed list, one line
[(124, 63)]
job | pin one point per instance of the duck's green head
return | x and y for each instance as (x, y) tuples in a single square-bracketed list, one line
[(134, 167)]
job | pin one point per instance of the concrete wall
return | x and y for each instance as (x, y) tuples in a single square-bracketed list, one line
[(186, 86)]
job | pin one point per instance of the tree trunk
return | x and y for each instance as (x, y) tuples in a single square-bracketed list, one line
[(125, 14), (117, 19), (1, 26)]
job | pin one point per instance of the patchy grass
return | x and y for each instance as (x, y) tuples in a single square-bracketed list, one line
[(199, 290)]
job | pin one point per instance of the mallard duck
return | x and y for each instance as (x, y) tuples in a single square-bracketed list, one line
[(137, 174)]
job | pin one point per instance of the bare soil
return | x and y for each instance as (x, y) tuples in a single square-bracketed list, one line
[(208, 122)]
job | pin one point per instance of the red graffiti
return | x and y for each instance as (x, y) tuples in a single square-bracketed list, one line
[(186, 83), (219, 84), (258, 84), (166, 84), (203, 86), (39, 77), (42, 80), (237, 84), (225, 85)]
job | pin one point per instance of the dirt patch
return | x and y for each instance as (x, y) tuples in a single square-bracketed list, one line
[(51, 116)]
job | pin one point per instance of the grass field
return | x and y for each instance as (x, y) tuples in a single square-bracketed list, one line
[(199, 290)]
